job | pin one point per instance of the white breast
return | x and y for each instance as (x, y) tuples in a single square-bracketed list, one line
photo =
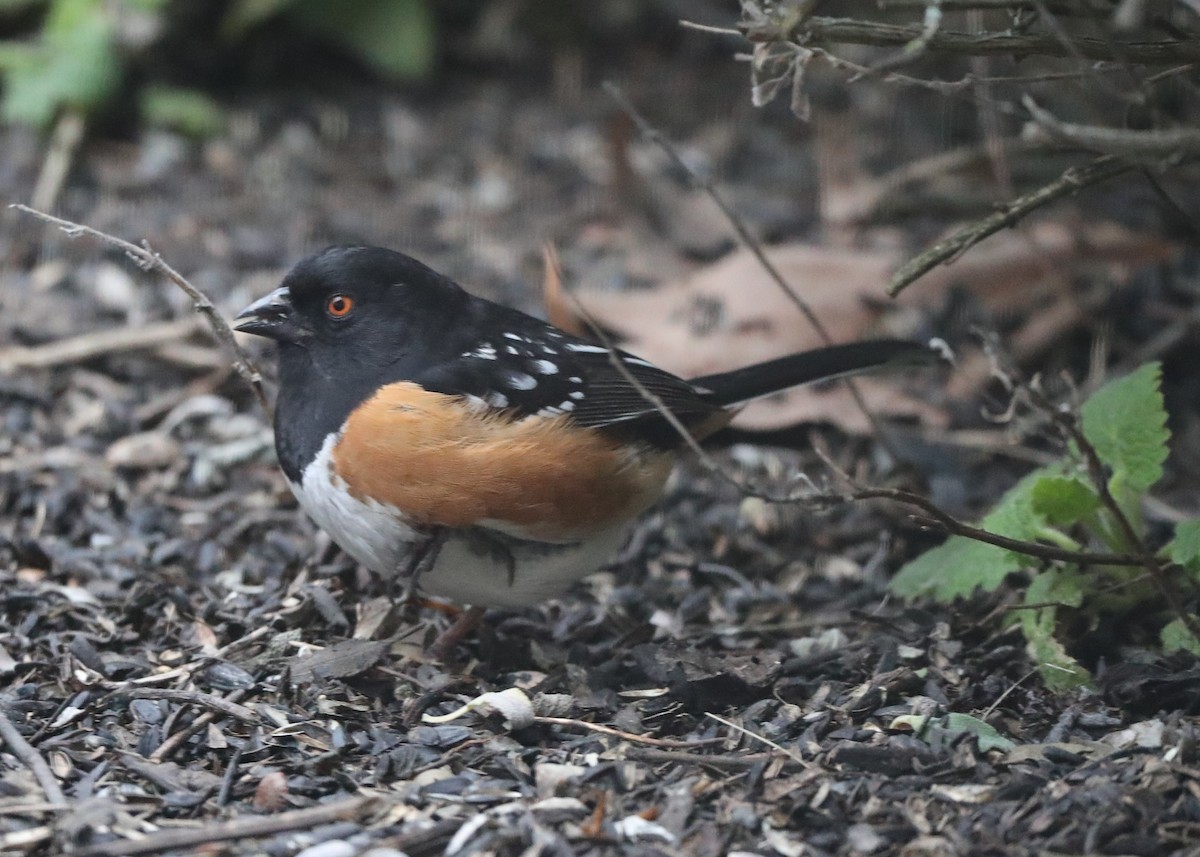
[(378, 536)]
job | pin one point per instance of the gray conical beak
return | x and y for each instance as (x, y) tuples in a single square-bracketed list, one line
[(270, 316)]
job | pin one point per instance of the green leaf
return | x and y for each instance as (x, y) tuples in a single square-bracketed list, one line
[(245, 15), (1185, 547), (952, 725), (959, 565), (395, 37), (1061, 585), (1127, 424), (1063, 500), (1176, 636), (954, 569), (1060, 672), (74, 65), (185, 110)]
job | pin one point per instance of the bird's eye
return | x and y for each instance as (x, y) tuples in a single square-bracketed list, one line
[(339, 306)]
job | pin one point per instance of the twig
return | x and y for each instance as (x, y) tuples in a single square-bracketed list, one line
[(242, 828), (791, 754), (148, 260), (625, 736), (174, 742), (217, 704), (1071, 180), (949, 524), (847, 31), (60, 155), (749, 241), (724, 761), (1153, 144), (31, 759), (97, 343)]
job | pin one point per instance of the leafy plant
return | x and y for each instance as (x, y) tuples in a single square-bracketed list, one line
[(1092, 498), (78, 57), (395, 37), (72, 64)]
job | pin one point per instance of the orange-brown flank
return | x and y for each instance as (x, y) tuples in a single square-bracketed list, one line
[(440, 462)]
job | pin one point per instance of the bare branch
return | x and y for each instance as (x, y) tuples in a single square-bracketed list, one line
[(1152, 144), (821, 30), (148, 260), (1073, 179)]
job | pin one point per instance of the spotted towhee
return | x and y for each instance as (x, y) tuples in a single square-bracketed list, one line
[(409, 407)]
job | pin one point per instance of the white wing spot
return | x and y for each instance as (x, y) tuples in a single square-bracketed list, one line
[(544, 367), (576, 394), (567, 406), (497, 400), (520, 381), (586, 349), (575, 379), (637, 361), (511, 349), (516, 337)]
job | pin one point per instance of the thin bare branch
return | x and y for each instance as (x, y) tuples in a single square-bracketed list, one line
[(97, 343), (1152, 144), (1071, 180), (821, 30), (11, 736), (145, 258)]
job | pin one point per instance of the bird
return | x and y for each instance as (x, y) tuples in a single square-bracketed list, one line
[(489, 457)]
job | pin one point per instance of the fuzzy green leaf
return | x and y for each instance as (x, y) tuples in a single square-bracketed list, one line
[(954, 569), (1127, 424), (74, 65), (959, 565), (1063, 500), (954, 724), (395, 37), (1061, 585), (1176, 636), (1185, 547), (188, 111), (1060, 672)]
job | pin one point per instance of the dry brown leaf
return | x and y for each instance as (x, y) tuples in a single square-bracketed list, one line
[(732, 313)]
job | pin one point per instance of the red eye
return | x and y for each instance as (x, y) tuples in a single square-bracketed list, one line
[(339, 306)]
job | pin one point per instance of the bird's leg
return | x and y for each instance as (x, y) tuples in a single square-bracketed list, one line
[(419, 561), (452, 636)]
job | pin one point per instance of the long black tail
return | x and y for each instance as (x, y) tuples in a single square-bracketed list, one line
[(762, 379)]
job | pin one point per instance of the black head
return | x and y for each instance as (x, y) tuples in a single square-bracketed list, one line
[(367, 305), (348, 320)]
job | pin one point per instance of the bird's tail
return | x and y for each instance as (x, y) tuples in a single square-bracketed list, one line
[(834, 361)]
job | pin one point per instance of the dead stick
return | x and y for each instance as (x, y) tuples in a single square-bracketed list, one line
[(945, 251), (148, 260), (31, 759), (94, 344), (823, 31), (241, 828)]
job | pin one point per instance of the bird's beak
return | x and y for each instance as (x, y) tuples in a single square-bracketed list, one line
[(270, 316)]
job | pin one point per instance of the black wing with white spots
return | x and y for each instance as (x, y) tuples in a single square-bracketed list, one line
[(528, 367)]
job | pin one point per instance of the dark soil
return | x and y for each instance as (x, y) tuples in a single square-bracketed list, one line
[(200, 669)]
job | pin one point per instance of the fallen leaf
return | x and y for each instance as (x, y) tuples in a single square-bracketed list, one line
[(732, 313)]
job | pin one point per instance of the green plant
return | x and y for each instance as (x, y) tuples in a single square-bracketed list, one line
[(78, 57), (72, 63), (395, 37), (1116, 448)]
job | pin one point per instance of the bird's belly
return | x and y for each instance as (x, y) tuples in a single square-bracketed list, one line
[(473, 566)]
